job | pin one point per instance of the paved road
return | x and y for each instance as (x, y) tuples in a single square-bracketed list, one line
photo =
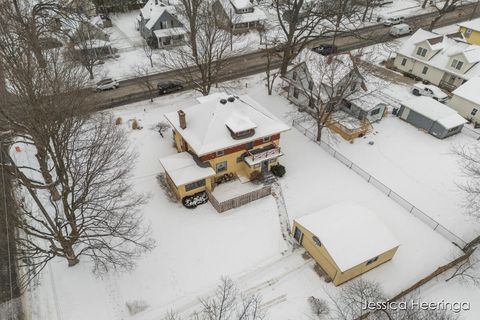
[(255, 62)]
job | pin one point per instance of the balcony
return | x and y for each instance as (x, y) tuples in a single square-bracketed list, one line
[(256, 156)]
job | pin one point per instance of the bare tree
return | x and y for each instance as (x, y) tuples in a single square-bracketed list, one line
[(467, 270), (335, 81), (204, 57), (270, 52), (442, 9), (227, 303), (75, 197), (469, 161), (145, 75), (148, 50)]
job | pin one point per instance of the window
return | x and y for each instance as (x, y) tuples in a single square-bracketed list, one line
[(295, 93), (221, 166), (457, 64), (220, 153), (310, 85), (298, 235), (425, 69), (266, 139), (249, 145), (294, 75), (404, 61), (194, 185), (468, 32), (421, 52), (474, 111), (372, 260), (317, 241), (374, 112)]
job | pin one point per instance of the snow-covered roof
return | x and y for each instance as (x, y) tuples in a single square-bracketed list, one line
[(182, 169), (153, 10), (241, 4), (435, 111), (207, 130), (472, 24), (350, 233), (256, 15), (445, 48), (169, 32), (470, 90), (239, 122), (328, 70)]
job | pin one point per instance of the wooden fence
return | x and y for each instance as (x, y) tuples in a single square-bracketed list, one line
[(240, 200)]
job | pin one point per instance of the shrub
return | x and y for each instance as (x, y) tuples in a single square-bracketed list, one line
[(136, 125), (278, 170), (119, 121), (256, 176), (191, 202)]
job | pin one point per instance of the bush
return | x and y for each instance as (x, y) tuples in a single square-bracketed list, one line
[(256, 176), (119, 121), (136, 125), (278, 170), (191, 202)]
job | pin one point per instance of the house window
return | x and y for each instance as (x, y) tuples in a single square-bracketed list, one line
[(221, 166), (295, 93), (194, 185), (404, 61), (474, 111), (249, 145), (425, 69), (374, 112), (468, 32), (372, 260), (457, 64), (266, 139), (310, 85), (220, 153), (317, 241), (294, 75), (421, 52)]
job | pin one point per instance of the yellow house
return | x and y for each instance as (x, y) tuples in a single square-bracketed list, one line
[(471, 31), (221, 137), (346, 240)]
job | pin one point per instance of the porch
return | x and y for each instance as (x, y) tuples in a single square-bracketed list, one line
[(347, 126), (170, 37)]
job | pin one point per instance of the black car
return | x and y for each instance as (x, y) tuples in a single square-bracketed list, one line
[(326, 49), (169, 87)]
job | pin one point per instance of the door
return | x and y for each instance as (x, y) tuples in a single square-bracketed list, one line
[(298, 235), (265, 167)]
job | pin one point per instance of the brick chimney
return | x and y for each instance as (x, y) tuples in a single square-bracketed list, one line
[(181, 119)]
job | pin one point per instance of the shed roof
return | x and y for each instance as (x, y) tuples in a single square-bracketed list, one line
[(471, 24), (207, 122), (351, 233), (435, 111), (256, 15), (182, 169), (469, 90)]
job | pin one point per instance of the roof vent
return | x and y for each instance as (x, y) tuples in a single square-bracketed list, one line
[(231, 99), (223, 101)]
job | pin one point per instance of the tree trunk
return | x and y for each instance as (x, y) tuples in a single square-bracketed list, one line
[(70, 255), (319, 131), (42, 158), (424, 4)]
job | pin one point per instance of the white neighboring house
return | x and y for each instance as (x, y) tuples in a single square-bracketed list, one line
[(466, 100), (239, 15), (442, 60), (158, 22), (312, 71)]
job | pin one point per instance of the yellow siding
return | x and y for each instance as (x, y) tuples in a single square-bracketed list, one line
[(474, 38), (326, 262), (182, 192)]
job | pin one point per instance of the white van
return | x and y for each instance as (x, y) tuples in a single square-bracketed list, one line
[(400, 30), (393, 21)]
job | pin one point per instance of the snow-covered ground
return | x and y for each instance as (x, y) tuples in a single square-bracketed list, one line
[(196, 247)]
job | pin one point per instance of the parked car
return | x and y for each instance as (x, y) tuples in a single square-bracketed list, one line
[(326, 49), (107, 84), (168, 87), (429, 90), (400, 30), (393, 21)]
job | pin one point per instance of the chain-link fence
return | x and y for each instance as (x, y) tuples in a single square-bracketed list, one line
[(432, 223)]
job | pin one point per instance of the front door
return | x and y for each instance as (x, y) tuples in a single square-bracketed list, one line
[(265, 167)]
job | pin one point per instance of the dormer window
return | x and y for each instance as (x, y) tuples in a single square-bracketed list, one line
[(457, 64), (422, 52)]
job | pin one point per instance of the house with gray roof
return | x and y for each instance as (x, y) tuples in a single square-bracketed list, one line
[(158, 24)]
